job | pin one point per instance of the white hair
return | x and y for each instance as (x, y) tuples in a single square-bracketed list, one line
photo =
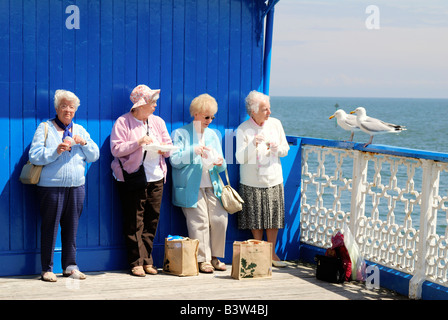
[(253, 100), (61, 95)]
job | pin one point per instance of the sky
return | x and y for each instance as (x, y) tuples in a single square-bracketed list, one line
[(347, 48)]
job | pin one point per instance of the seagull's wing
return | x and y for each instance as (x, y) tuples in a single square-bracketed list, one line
[(350, 120), (374, 125)]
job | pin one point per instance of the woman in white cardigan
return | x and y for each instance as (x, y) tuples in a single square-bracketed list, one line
[(260, 142)]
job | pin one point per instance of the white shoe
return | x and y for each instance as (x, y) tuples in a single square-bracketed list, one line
[(279, 264)]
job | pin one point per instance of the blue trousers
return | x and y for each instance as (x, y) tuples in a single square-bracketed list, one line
[(60, 205)]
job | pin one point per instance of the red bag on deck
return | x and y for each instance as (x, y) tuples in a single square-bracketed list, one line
[(338, 249)]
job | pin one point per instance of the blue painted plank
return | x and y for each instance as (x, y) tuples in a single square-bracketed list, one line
[(143, 46), (166, 110), (93, 103), (155, 45), (201, 47), (56, 49), (130, 72), (235, 62), (29, 119), (190, 57), (4, 124), (257, 48), (212, 47), (178, 108), (81, 83), (166, 49), (120, 101), (44, 105), (68, 53), (16, 122), (106, 89), (223, 63)]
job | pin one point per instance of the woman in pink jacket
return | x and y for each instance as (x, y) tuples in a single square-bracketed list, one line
[(139, 169)]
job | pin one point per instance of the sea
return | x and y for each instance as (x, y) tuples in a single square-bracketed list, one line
[(424, 119)]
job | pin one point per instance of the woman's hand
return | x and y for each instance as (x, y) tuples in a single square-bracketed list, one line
[(63, 147), (219, 162), (162, 153), (273, 146), (145, 140), (258, 139), (199, 150), (79, 140)]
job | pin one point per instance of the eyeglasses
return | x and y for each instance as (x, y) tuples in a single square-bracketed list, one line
[(66, 106), (209, 117)]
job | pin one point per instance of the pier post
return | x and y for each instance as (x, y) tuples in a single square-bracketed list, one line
[(357, 207), (428, 224)]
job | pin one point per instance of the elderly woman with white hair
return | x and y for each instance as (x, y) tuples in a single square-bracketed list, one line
[(260, 142), (196, 186), (63, 148), (140, 175)]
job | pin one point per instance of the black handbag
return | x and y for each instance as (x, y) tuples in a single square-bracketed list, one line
[(137, 180), (329, 269)]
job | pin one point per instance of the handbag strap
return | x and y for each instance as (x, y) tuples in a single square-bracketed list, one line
[(144, 156), (227, 177), (46, 134)]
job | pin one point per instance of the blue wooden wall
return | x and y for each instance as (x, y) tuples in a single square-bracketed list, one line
[(183, 47)]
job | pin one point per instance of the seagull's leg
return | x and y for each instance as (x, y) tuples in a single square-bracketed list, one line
[(370, 141), (351, 136)]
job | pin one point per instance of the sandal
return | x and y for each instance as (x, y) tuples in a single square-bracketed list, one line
[(206, 267), (75, 274), (49, 276), (218, 265), (150, 269), (138, 271)]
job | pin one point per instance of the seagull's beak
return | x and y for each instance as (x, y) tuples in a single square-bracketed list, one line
[(331, 117), (352, 112)]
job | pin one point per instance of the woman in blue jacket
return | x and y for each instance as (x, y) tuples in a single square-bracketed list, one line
[(196, 184), (64, 154)]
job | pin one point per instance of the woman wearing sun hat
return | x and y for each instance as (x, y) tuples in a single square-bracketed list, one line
[(141, 206)]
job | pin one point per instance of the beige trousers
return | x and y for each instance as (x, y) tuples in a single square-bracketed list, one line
[(208, 224)]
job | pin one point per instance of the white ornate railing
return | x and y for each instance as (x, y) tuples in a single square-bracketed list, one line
[(394, 200)]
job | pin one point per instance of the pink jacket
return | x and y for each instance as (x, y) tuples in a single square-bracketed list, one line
[(124, 142)]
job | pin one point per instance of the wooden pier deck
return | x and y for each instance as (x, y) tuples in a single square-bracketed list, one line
[(295, 282)]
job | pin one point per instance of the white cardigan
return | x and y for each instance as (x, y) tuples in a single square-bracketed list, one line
[(259, 166)]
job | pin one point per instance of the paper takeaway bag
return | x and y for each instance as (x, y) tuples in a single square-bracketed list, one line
[(252, 259), (181, 257)]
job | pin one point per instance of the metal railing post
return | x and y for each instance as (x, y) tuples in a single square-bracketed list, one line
[(428, 224), (357, 206)]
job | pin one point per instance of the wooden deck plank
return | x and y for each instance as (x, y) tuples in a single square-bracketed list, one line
[(296, 282)]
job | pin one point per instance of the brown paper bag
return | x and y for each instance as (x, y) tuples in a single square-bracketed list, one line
[(252, 259), (181, 257)]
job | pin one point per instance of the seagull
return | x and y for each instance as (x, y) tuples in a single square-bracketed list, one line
[(374, 126), (346, 122)]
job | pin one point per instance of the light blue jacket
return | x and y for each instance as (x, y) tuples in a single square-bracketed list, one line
[(187, 166), (67, 169)]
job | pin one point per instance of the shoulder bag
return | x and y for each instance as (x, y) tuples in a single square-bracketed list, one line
[(30, 172), (231, 200)]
